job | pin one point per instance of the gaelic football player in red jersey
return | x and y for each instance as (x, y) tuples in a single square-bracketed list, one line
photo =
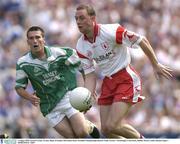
[(108, 45)]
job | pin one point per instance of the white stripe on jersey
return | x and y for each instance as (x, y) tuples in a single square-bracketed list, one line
[(136, 84), (20, 74), (20, 84), (73, 59)]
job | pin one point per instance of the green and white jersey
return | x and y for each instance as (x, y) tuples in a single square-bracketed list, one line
[(50, 78)]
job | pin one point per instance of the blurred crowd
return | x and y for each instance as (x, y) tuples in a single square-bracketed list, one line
[(159, 20)]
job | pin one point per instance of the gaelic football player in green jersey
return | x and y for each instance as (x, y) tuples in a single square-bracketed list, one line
[(51, 71)]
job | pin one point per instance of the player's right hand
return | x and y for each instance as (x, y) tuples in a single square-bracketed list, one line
[(161, 70), (35, 100)]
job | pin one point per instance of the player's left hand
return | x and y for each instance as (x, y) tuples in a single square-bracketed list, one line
[(162, 71), (85, 111), (93, 100)]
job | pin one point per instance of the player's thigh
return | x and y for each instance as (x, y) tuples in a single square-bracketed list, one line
[(79, 124), (64, 128), (117, 112), (104, 114)]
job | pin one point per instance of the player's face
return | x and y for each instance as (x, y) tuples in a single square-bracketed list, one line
[(36, 41), (84, 21)]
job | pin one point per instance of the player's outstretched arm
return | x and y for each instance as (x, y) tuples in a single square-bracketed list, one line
[(159, 69)]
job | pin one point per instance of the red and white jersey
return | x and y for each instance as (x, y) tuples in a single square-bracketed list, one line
[(109, 49)]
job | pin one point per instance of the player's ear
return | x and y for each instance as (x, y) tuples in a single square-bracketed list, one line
[(44, 41), (93, 18), (27, 41)]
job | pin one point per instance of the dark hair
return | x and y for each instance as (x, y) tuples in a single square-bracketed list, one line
[(35, 28), (90, 10)]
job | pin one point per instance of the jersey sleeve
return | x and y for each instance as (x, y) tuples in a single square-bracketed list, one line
[(21, 77), (129, 38), (73, 58), (70, 56), (87, 63)]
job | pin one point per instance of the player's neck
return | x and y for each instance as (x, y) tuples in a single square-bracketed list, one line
[(90, 38), (41, 55), (90, 35)]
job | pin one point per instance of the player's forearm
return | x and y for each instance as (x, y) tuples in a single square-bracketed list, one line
[(23, 93), (90, 82), (149, 52)]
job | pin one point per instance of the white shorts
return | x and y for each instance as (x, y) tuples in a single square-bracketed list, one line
[(62, 109)]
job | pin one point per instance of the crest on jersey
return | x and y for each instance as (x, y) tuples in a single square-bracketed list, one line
[(37, 69), (105, 46)]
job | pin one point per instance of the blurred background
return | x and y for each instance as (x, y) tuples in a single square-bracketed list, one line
[(159, 20)]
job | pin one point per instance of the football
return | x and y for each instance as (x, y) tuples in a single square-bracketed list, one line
[(80, 98)]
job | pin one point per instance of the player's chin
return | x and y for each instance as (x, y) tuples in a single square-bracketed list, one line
[(36, 49), (82, 30)]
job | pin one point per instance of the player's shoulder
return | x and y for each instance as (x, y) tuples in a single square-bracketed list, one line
[(109, 30), (109, 26), (80, 39), (59, 48), (60, 51), (80, 42), (25, 58)]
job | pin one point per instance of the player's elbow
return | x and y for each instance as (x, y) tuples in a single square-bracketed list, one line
[(145, 40), (19, 90)]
